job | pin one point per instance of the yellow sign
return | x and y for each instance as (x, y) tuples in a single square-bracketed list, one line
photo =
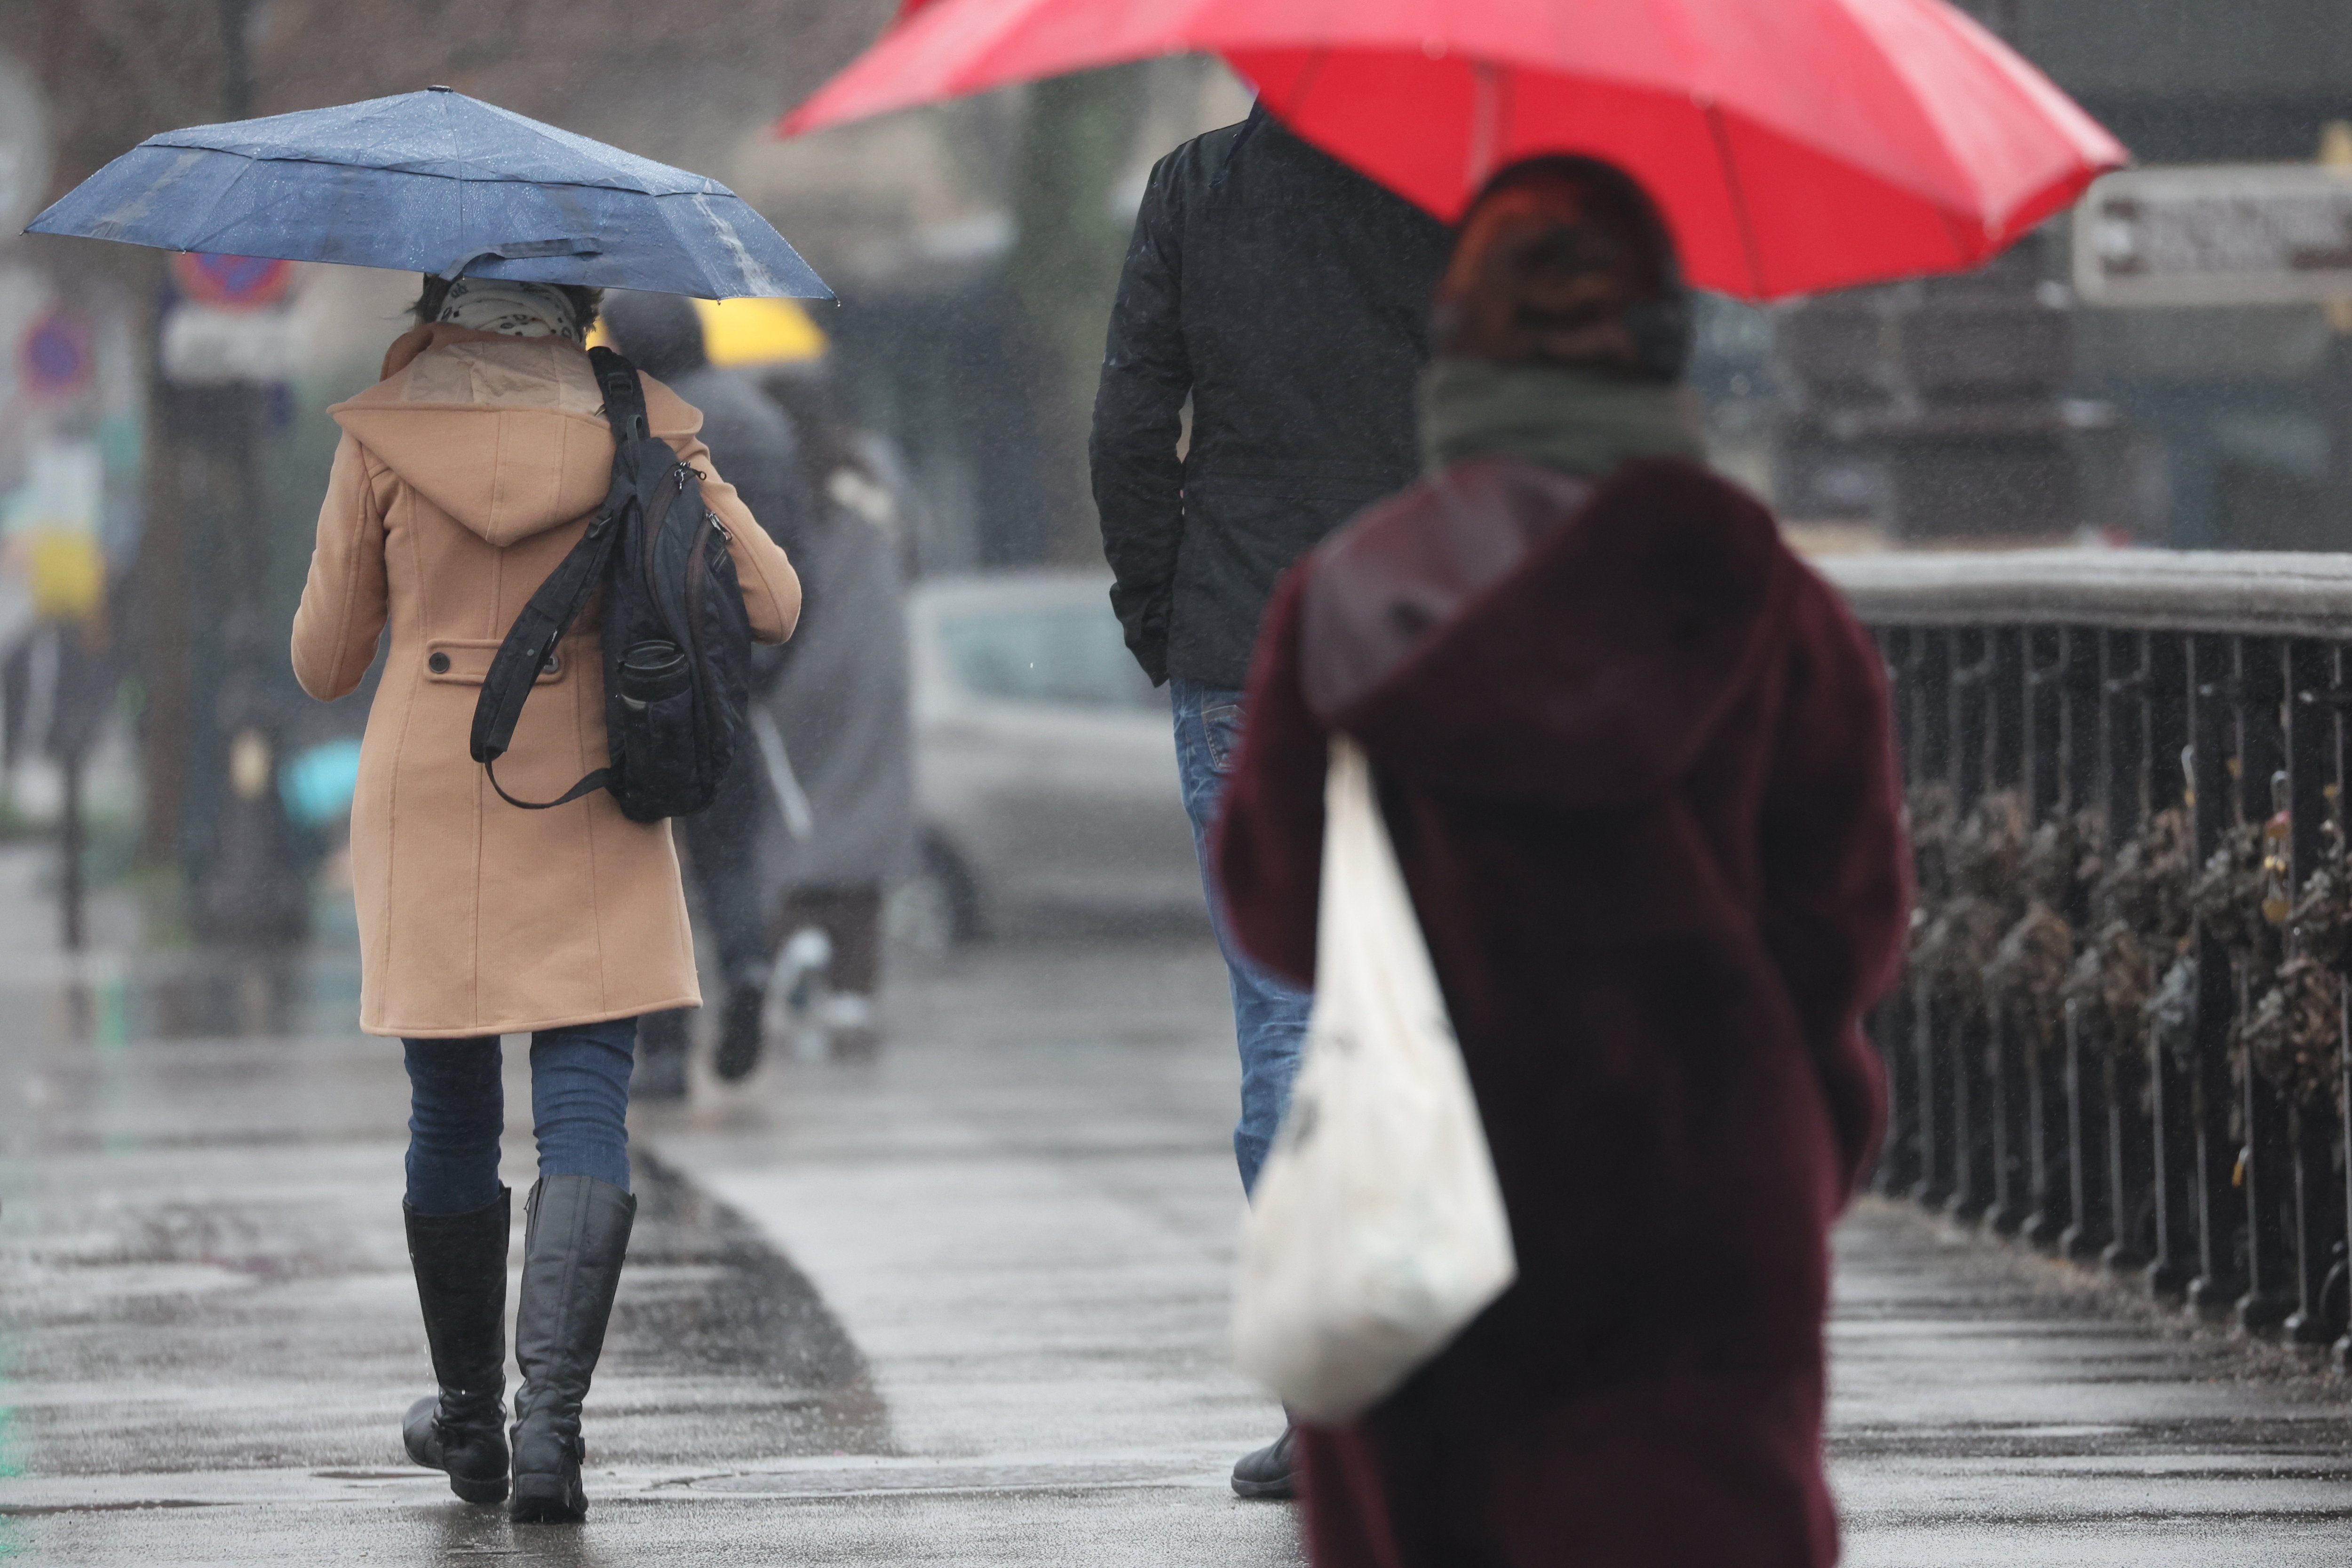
[(67, 574)]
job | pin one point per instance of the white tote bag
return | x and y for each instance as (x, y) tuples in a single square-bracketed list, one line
[(1377, 1230)]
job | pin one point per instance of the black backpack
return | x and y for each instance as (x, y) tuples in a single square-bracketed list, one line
[(677, 642)]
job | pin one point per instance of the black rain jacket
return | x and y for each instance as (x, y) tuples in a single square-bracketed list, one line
[(1289, 296)]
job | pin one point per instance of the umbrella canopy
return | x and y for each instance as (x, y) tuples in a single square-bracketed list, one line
[(435, 182), (1795, 144)]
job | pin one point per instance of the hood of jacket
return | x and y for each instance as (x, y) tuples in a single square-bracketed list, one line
[(504, 435), (1588, 672)]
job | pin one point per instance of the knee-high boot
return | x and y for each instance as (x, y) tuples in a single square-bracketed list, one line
[(461, 1282), (575, 1235)]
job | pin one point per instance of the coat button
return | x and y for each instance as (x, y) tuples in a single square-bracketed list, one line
[(438, 663)]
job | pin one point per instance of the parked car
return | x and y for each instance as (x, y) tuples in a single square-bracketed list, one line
[(1044, 765)]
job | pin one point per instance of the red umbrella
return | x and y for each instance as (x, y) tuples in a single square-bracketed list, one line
[(1795, 144)]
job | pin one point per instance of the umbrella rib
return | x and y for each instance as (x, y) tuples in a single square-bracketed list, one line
[(1965, 255), (1315, 63), (1485, 133), (226, 191), (1722, 134), (556, 136), (1306, 84), (1965, 179), (708, 187), (450, 129)]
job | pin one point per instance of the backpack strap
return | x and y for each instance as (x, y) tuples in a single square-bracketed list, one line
[(624, 403), (530, 642), (557, 603)]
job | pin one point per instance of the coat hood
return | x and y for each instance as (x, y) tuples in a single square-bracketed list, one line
[(1593, 640), (504, 435)]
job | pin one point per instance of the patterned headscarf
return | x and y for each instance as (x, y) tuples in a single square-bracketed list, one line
[(516, 309)]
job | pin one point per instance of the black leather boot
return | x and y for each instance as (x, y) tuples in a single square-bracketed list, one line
[(575, 1233), (1269, 1472), (461, 1282)]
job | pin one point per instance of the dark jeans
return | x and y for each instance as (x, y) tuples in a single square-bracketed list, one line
[(579, 1110), (1269, 1012)]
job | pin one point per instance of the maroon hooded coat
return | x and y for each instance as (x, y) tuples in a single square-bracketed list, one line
[(1639, 779)]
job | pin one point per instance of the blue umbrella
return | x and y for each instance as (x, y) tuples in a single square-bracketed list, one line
[(435, 182)]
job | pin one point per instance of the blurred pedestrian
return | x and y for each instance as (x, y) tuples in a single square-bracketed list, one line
[(839, 706), (850, 463), (463, 478), (753, 440), (1285, 297), (1635, 760)]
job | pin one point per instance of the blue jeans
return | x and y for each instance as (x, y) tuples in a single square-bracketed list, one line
[(458, 1108), (1269, 1013)]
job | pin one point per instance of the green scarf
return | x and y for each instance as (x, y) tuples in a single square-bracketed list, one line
[(1579, 420)]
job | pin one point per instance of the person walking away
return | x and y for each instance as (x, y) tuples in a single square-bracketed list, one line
[(753, 440), (463, 477), (1634, 757), (1286, 296), (839, 706)]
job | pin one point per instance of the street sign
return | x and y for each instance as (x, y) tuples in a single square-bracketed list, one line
[(56, 358), (232, 282), (2222, 234)]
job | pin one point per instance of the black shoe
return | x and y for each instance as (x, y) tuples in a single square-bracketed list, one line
[(461, 1282), (740, 1027), (1270, 1471), (574, 1235), (661, 1057)]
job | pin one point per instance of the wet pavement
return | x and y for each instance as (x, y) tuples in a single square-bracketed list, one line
[(1993, 1408), (207, 1329), (961, 1303)]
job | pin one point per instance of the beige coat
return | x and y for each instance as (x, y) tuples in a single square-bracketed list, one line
[(462, 479)]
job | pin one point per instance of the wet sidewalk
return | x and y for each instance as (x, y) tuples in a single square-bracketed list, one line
[(1995, 1410), (1028, 1218), (208, 1332), (961, 1304)]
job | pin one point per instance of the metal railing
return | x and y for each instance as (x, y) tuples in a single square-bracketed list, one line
[(2121, 1038)]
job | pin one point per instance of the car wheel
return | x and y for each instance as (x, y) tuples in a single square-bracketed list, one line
[(934, 910)]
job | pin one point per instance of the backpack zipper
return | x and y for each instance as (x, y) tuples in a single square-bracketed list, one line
[(654, 525), (696, 571)]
